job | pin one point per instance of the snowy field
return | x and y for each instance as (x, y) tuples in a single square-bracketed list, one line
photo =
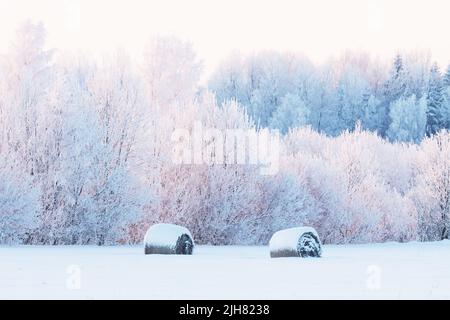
[(392, 271)]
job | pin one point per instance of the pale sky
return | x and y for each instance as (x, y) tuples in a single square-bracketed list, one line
[(317, 28)]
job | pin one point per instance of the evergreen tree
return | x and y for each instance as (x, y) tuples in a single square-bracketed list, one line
[(408, 120), (435, 102), (370, 117), (396, 86), (291, 113), (394, 89), (446, 79), (446, 106)]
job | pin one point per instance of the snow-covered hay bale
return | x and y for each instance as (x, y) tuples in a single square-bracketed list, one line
[(296, 242), (168, 239)]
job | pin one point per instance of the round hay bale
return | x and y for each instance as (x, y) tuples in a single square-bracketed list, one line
[(168, 239), (300, 242)]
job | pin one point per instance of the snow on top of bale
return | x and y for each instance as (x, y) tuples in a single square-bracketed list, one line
[(288, 239), (164, 234)]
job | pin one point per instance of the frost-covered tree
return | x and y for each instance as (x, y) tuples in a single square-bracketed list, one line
[(286, 202), (267, 75), (408, 119), (435, 101), (418, 65), (446, 102), (27, 114), (101, 193), (19, 202), (27, 84), (432, 193), (395, 88), (446, 78), (352, 91), (291, 113), (371, 117), (320, 97), (396, 85), (172, 71), (446, 109), (228, 81)]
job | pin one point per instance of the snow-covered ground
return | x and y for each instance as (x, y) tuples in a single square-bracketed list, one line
[(392, 271)]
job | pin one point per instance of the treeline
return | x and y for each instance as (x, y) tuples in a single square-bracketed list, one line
[(86, 151), (406, 100)]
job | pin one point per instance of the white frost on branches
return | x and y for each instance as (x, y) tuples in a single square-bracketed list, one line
[(86, 150)]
